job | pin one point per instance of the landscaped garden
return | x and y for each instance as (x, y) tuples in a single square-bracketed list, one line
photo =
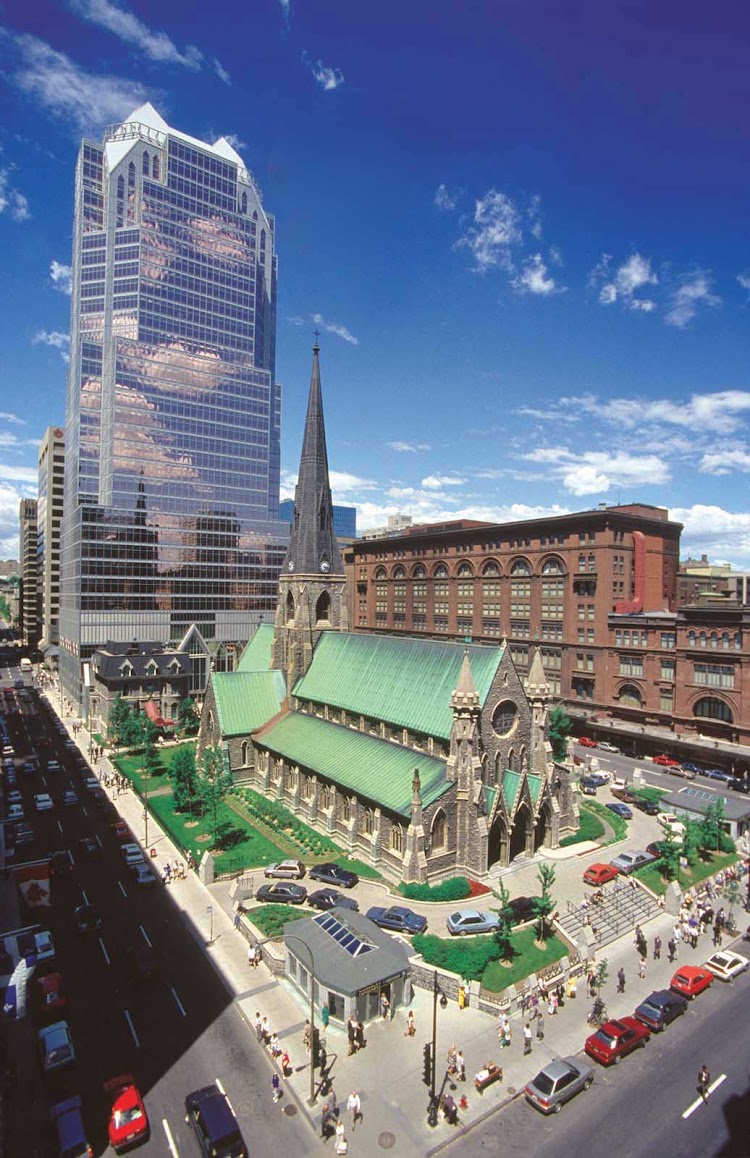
[(478, 958), (652, 875)]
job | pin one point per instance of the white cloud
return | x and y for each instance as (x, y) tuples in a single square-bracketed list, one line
[(445, 198), (221, 72), (722, 412), (694, 292), (496, 229), (744, 280), (534, 278), (60, 276), (409, 447), (233, 140), (56, 339), (128, 28), (645, 305), (6, 417), (334, 328), (586, 472), (86, 100), (436, 482), (628, 278), (716, 532), (286, 11), (725, 461), (327, 78), (12, 200)]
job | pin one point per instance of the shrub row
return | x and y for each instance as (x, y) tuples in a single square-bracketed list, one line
[(454, 889), (277, 816)]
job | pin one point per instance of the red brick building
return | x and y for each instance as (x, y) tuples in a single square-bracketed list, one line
[(596, 591)]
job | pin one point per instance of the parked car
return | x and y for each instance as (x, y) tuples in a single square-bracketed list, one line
[(717, 774), (616, 1039), (61, 866), (598, 778), (121, 832), (471, 921), (622, 810), (696, 769), (726, 966), (132, 853), (672, 823), (523, 908), (69, 798), (325, 899), (397, 919), (210, 1113), (625, 796), (665, 761), (282, 893), (691, 980), (13, 797), (15, 812), (587, 742), (681, 772), (660, 1009), (627, 862), (22, 834), (53, 766), (739, 785), (50, 995), (588, 786), (71, 1133), (89, 846), (286, 870), (334, 874), (600, 874), (143, 874), (650, 807), (56, 1046), (87, 919), (560, 1080), (128, 1123), (607, 747)]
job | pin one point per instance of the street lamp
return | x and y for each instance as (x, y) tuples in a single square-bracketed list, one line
[(432, 1111), (292, 937)]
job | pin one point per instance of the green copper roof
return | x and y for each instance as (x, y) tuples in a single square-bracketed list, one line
[(245, 700), (489, 798), (535, 786), (257, 653), (374, 769), (406, 682), (511, 784)]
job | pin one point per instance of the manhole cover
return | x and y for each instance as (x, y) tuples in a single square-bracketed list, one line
[(290, 1110), (386, 1140), (512, 1091), (490, 1142)]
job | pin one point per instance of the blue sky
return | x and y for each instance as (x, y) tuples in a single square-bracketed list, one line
[(520, 226)]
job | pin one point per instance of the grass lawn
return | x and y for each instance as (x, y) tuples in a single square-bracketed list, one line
[(475, 957), (530, 960), (591, 828), (270, 919), (651, 876), (654, 794)]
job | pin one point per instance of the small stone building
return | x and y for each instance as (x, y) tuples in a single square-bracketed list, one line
[(149, 676)]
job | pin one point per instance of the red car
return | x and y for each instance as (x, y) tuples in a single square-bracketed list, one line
[(600, 874), (585, 742), (666, 761), (122, 832), (690, 980), (51, 995), (615, 1039), (128, 1125)]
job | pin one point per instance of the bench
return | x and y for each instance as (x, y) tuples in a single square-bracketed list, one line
[(491, 1073)]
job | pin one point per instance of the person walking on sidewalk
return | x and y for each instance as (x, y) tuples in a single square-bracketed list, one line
[(411, 1027), (671, 950), (307, 1036), (354, 1103), (657, 948), (341, 1145), (526, 1038), (275, 1086), (539, 1026), (385, 1005), (621, 980), (642, 968), (460, 1066)]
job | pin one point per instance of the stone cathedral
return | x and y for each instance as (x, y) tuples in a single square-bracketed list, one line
[(426, 758)]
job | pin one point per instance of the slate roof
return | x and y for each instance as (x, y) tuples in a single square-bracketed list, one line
[(405, 682), (334, 967), (245, 700), (108, 665), (371, 768), (257, 653)]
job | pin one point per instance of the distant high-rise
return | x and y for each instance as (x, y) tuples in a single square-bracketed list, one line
[(29, 593), (49, 517), (173, 416)]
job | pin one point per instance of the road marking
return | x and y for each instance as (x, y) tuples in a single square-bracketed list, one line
[(170, 1140), (131, 1027), (220, 1087), (59, 827), (699, 1101), (178, 1003), (104, 951), (85, 898), (99, 841), (122, 889), (145, 936)]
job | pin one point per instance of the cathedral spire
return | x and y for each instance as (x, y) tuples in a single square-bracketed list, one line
[(312, 542)]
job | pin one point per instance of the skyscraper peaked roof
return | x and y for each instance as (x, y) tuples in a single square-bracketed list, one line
[(312, 542)]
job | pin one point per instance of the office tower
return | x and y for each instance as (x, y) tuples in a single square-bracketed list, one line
[(49, 516), (173, 418), (29, 594)]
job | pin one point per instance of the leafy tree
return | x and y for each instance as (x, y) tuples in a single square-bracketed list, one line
[(559, 727), (214, 781), (711, 826), (544, 904), (184, 775), (505, 926), (131, 730), (691, 841), (670, 851), (118, 720), (187, 717)]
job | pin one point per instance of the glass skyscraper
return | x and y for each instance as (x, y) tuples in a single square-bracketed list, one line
[(173, 411)]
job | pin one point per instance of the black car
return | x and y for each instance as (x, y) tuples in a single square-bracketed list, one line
[(650, 807), (22, 834), (60, 866), (330, 898), (334, 874), (87, 919), (210, 1113), (660, 1008), (282, 893), (89, 846), (523, 909), (739, 785)]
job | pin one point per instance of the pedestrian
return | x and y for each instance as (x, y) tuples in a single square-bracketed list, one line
[(671, 950), (360, 1036), (286, 1065), (506, 1034), (273, 1046), (250, 953), (327, 1121), (411, 1028), (341, 1145), (354, 1104), (717, 936), (258, 1023), (527, 1038), (351, 1033), (460, 1066), (451, 1059), (539, 1027), (450, 1110), (462, 997), (275, 1086), (621, 980), (307, 1036), (704, 1081), (642, 968), (265, 1030), (572, 988), (324, 1016), (657, 948), (385, 1005)]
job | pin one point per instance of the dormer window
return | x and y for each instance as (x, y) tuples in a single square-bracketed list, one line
[(152, 668), (126, 668)]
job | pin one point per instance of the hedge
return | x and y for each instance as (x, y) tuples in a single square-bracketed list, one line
[(467, 958), (454, 889)]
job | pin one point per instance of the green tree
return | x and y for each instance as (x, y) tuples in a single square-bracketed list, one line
[(712, 825), (691, 841), (670, 851), (184, 774), (559, 727), (214, 782), (131, 730), (544, 903), (187, 717), (505, 925), (118, 720)]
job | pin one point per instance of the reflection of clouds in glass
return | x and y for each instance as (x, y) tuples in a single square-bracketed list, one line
[(172, 367), (216, 238)]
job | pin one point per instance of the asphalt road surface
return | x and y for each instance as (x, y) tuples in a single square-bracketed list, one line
[(648, 1105), (175, 1032), (656, 776)]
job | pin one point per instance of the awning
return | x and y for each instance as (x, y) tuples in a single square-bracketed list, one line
[(152, 711)]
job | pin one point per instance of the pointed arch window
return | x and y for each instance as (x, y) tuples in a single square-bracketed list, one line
[(243, 202), (367, 822), (289, 607), (323, 608), (499, 767), (245, 752), (155, 168), (397, 838), (439, 831), (146, 165)]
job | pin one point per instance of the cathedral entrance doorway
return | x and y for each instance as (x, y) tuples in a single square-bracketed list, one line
[(497, 843), (542, 833), (521, 836)]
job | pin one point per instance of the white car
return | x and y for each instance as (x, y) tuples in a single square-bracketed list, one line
[(43, 802), (14, 796), (604, 746), (15, 812), (669, 821), (726, 966), (133, 853), (53, 765), (286, 870)]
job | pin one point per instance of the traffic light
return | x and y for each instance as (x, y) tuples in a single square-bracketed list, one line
[(427, 1064)]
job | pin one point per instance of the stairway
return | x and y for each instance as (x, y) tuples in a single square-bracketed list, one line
[(622, 908)]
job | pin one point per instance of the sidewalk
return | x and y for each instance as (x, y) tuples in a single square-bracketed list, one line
[(387, 1073)]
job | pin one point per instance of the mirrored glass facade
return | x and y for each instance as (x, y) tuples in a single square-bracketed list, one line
[(173, 412)]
